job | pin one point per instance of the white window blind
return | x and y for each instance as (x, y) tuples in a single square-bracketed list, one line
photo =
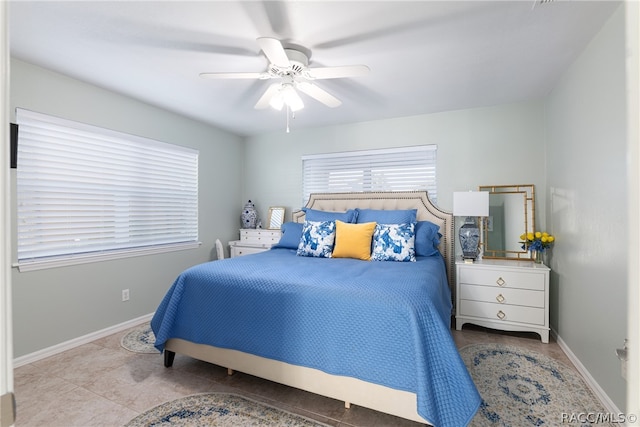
[(83, 190), (393, 169)]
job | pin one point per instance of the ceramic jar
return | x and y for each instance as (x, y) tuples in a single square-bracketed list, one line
[(249, 216)]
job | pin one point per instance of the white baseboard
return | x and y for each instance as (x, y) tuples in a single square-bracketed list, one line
[(591, 382), (68, 345)]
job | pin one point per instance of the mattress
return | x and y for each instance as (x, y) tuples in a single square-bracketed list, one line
[(386, 323)]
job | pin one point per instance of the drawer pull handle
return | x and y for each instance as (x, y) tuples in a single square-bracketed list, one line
[(500, 281), (500, 298), (500, 314)]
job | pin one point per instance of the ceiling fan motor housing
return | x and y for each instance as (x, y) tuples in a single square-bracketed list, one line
[(299, 61)]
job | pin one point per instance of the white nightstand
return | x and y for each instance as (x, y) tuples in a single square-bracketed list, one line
[(254, 240), (505, 295)]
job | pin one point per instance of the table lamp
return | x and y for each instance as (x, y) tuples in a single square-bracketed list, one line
[(470, 204)]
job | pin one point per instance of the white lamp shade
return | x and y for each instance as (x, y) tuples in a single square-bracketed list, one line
[(471, 203)]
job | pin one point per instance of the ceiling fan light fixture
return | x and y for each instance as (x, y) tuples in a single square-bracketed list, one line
[(287, 95), (277, 101), (291, 98)]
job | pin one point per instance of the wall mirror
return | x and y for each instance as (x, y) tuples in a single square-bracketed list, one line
[(275, 218), (511, 213)]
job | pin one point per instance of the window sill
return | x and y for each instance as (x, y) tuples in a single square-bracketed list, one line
[(42, 264)]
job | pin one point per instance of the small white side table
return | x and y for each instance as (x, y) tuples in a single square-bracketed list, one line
[(254, 240)]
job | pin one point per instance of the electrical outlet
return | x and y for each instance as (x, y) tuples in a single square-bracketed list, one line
[(125, 295)]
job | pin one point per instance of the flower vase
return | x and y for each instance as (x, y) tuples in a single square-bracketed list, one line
[(537, 257)]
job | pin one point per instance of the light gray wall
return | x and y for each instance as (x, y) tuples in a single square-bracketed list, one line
[(587, 206), (483, 146), (55, 305)]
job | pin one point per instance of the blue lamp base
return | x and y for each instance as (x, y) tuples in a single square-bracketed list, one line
[(469, 239)]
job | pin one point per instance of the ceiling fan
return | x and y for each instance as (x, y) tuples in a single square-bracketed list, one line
[(291, 67)]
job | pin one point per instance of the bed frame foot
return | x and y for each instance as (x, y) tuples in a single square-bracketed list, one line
[(229, 371), (347, 405), (168, 358)]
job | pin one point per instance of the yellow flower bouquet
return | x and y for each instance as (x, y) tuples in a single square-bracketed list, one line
[(537, 243)]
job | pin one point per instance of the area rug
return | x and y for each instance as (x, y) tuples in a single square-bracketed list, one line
[(521, 388), (219, 409), (140, 339)]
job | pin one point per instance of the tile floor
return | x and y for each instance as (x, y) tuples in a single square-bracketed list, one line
[(102, 384)]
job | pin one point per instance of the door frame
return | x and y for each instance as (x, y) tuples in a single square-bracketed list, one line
[(7, 406), (632, 24)]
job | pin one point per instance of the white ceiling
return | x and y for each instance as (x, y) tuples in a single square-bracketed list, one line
[(424, 56)]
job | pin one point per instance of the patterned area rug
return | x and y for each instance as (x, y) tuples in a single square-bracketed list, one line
[(140, 340), (521, 388), (219, 409)]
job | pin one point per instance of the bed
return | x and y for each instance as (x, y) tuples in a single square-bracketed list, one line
[(370, 333)]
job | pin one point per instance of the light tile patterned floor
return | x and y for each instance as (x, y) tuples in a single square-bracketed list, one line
[(102, 384)]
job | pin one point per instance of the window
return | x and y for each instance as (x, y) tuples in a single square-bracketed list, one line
[(394, 169), (87, 193)]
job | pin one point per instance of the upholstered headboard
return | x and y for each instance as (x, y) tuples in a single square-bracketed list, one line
[(341, 202)]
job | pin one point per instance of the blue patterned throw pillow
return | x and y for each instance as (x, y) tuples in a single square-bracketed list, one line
[(394, 242), (317, 239)]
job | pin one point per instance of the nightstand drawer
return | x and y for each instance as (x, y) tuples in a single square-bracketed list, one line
[(500, 312), (524, 297), (259, 236), (238, 250), (502, 278)]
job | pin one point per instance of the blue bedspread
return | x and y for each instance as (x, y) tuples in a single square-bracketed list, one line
[(382, 322)]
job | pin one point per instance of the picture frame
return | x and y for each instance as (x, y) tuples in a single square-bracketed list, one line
[(275, 218)]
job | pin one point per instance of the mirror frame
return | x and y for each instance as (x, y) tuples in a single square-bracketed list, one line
[(528, 192), (275, 218)]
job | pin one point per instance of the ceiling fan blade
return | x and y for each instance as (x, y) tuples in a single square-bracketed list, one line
[(274, 51), (261, 76), (268, 16), (338, 72), (263, 102), (319, 94)]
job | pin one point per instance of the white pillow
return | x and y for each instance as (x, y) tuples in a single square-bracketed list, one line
[(317, 239), (394, 242)]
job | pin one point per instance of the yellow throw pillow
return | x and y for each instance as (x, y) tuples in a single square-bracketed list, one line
[(353, 240)]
